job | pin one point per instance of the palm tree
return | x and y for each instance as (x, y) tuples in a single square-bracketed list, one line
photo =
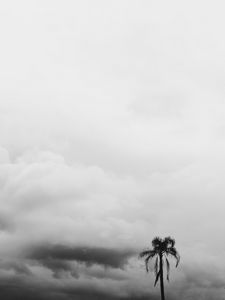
[(161, 250)]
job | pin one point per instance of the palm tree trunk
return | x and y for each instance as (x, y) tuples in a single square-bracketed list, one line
[(161, 277)]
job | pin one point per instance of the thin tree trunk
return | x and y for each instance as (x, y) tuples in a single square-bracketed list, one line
[(161, 277)]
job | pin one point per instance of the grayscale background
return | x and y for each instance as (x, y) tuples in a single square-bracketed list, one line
[(112, 132)]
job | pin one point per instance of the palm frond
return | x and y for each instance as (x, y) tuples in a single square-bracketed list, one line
[(178, 259), (147, 253), (167, 269), (147, 261), (173, 252), (157, 277), (156, 242), (161, 249), (156, 266), (170, 242)]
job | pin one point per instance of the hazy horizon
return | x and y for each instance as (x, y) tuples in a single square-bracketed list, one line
[(112, 132)]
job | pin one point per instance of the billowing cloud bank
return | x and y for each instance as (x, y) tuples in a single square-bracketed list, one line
[(112, 132)]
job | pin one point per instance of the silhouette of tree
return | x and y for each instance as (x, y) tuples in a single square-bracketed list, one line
[(161, 250)]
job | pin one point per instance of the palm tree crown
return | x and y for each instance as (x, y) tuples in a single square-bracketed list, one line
[(161, 250)]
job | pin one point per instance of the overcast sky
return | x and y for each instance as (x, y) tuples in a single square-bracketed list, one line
[(112, 131)]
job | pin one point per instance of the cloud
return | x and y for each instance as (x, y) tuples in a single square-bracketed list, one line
[(114, 258), (112, 132), (22, 291), (46, 201), (19, 267)]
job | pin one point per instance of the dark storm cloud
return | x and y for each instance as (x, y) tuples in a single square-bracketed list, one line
[(59, 266), (54, 255), (14, 291), (19, 267), (17, 290), (87, 293), (22, 285)]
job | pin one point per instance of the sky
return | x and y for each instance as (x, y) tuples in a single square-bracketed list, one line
[(112, 132)]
